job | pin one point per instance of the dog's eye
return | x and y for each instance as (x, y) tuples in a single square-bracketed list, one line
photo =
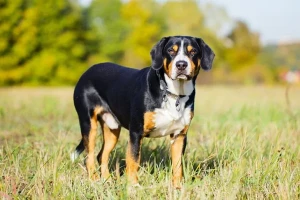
[(193, 52), (172, 52)]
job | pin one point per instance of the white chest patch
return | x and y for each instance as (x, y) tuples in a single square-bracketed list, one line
[(168, 119)]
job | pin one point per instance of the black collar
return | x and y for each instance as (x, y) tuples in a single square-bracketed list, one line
[(174, 95), (164, 87)]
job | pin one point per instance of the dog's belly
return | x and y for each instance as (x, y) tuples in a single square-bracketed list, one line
[(168, 120)]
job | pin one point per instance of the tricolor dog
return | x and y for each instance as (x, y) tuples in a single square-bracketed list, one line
[(156, 101)]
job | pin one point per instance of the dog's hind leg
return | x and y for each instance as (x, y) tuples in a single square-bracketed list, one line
[(110, 139), (88, 124)]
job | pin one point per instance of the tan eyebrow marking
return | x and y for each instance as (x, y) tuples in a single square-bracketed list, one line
[(175, 48), (189, 48)]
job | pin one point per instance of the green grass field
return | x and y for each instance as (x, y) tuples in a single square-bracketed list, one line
[(242, 144)]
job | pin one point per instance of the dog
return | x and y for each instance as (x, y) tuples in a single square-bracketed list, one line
[(156, 101)]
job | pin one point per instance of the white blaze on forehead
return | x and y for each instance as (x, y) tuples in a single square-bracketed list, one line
[(181, 56)]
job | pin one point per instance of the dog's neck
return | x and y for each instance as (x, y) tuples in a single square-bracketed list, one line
[(179, 87)]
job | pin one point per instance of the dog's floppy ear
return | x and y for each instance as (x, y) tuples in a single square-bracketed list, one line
[(207, 55), (157, 53)]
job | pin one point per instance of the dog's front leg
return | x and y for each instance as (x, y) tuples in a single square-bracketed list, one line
[(178, 144), (133, 156)]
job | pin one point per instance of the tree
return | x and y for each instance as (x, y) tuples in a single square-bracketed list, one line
[(104, 18), (46, 42), (245, 46), (143, 31), (242, 54)]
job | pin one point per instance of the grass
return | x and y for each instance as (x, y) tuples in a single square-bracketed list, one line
[(242, 144)]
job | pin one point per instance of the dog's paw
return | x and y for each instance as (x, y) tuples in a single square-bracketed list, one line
[(95, 177), (132, 189), (177, 185)]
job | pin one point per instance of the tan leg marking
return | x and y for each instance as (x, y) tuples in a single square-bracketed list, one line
[(98, 110), (110, 139), (176, 155), (132, 165), (149, 123), (90, 142)]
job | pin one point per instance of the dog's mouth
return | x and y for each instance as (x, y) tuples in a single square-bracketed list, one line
[(183, 76)]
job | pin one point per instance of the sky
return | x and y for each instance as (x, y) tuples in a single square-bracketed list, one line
[(277, 21)]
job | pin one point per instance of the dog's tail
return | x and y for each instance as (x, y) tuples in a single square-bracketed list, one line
[(79, 149)]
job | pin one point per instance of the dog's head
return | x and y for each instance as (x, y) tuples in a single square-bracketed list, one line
[(181, 56)]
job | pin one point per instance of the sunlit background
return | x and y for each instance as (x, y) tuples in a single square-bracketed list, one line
[(53, 42), (243, 141)]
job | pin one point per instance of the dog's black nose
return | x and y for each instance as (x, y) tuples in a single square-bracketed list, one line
[(181, 65)]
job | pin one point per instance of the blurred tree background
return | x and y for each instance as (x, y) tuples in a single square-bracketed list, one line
[(53, 42)]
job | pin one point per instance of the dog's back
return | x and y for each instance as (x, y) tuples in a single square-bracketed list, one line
[(109, 86)]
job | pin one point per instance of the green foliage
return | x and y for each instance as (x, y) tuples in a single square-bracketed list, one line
[(245, 46), (241, 56), (41, 42), (53, 42), (142, 25), (104, 19), (281, 58), (179, 23)]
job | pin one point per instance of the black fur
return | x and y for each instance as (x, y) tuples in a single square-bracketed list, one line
[(157, 53), (207, 55)]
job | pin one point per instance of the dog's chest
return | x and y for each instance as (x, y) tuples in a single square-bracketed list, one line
[(170, 119)]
